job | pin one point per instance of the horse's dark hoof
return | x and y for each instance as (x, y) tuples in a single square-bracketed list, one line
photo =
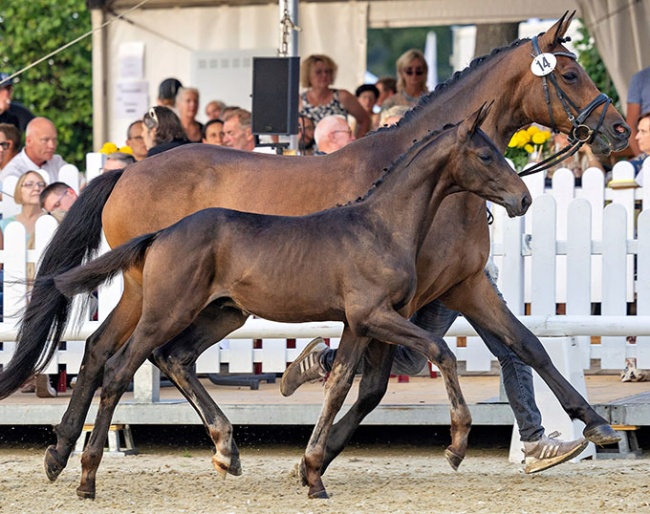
[(320, 495), (602, 435), (235, 467), (85, 495), (54, 464), (453, 459)]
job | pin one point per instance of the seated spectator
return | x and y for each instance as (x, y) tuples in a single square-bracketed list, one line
[(306, 141), (643, 141), (9, 143), (167, 91), (27, 194), (117, 161), (212, 132), (6, 90), (238, 132), (387, 87), (187, 105), (214, 109), (332, 133), (163, 130), (392, 115), (135, 140), (367, 95), (412, 70), (57, 198), (39, 152)]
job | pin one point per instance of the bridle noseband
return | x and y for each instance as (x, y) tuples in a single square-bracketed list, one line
[(581, 133)]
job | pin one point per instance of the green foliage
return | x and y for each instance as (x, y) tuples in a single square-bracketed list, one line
[(386, 45), (590, 60), (59, 88)]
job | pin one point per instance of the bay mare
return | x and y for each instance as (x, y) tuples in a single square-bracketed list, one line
[(161, 190), (355, 264)]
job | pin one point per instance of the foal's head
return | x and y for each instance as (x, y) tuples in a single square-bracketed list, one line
[(475, 164)]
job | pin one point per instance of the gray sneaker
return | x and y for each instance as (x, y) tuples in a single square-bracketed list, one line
[(306, 368), (549, 452)]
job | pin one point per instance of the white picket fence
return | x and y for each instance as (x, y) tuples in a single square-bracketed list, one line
[(566, 229)]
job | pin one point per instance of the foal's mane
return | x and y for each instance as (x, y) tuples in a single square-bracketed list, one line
[(409, 155)]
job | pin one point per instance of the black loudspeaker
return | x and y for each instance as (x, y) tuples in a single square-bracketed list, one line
[(275, 95)]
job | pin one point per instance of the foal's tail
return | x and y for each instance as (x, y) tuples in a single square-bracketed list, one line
[(87, 278), (46, 316)]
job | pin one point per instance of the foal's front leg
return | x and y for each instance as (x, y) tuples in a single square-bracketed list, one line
[(336, 389)]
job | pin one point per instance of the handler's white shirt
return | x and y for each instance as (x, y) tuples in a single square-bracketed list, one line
[(21, 163)]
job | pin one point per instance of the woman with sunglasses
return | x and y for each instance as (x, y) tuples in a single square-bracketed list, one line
[(412, 72), (163, 130), (317, 74)]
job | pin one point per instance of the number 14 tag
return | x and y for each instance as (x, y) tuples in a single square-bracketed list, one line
[(543, 64)]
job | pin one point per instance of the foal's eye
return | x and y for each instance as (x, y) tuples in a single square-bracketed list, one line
[(486, 158)]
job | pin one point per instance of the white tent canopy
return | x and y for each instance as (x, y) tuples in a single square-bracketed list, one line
[(184, 39)]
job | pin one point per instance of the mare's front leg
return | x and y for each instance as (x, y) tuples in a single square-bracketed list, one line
[(99, 348), (336, 389), (477, 299), (177, 358)]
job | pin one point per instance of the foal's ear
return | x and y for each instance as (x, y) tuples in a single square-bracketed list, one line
[(469, 126), (551, 37)]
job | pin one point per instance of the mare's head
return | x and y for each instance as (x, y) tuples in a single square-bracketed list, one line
[(475, 164), (559, 94)]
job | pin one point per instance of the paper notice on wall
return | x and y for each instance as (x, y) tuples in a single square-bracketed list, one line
[(131, 57), (131, 99)]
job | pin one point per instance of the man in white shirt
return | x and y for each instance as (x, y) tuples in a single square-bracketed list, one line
[(40, 144)]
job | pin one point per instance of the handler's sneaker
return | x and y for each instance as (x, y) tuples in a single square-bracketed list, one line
[(306, 368), (549, 452)]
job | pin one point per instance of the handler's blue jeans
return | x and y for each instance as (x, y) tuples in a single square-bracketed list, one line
[(517, 376)]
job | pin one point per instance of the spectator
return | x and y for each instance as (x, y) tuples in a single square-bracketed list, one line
[(135, 140), (212, 132), (57, 198), (167, 91), (118, 161), (23, 114), (412, 72), (392, 115), (187, 104), (9, 143), (367, 96), (643, 142), (317, 74), (237, 129), (332, 133), (306, 141), (6, 90), (387, 87), (214, 109), (638, 102), (163, 130), (39, 152)]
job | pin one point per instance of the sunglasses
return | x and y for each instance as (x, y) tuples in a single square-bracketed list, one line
[(414, 71), (151, 119)]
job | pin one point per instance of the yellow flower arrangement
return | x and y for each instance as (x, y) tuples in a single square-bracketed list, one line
[(528, 144), (109, 148)]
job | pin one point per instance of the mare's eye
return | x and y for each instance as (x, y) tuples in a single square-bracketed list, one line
[(570, 76)]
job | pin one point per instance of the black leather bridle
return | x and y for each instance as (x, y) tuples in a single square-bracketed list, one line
[(581, 133)]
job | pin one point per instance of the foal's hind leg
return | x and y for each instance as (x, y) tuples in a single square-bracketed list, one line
[(479, 302), (99, 347), (177, 358)]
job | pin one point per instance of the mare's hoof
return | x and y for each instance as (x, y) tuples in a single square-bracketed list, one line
[(602, 435), (53, 463), (453, 459), (320, 495), (235, 467), (85, 495)]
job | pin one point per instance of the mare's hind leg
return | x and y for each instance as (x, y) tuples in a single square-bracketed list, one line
[(177, 358), (336, 389), (479, 302), (99, 348), (387, 325), (377, 361)]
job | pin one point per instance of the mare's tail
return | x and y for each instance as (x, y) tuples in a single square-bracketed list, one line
[(46, 316), (87, 278)]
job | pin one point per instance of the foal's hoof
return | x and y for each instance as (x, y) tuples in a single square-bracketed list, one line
[(453, 459), (320, 495), (602, 435), (53, 463), (85, 494)]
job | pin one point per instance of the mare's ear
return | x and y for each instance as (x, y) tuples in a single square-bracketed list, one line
[(469, 126), (556, 32)]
